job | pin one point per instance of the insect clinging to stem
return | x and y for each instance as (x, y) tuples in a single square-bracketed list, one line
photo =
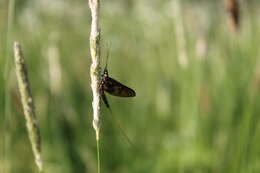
[(113, 87)]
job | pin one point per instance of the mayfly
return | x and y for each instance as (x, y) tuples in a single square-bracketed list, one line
[(113, 87)]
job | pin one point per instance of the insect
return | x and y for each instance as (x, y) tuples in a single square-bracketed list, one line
[(113, 87)]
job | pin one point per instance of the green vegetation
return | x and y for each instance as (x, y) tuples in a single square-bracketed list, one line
[(194, 116)]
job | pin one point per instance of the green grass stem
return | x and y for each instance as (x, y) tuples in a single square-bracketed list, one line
[(28, 105)]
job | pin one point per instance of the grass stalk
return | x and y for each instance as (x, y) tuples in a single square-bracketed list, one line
[(180, 34), (98, 156), (6, 78), (28, 105), (95, 69), (232, 7)]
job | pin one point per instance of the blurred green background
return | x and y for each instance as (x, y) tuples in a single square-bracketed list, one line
[(197, 83)]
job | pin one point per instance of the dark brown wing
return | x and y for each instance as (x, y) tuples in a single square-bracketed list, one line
[(117, 89)]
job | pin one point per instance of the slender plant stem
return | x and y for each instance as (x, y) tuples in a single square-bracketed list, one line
[(6, 76), (28, 105), (95, 68), (233, 9), (180, 34), (98, 156)]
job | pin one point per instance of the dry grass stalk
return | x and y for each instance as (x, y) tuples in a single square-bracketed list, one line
[(95, 66), (232, 7), (180, 34), (55, 71), (28, 105)]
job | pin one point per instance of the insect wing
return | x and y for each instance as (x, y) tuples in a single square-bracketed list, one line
[(115, 88)]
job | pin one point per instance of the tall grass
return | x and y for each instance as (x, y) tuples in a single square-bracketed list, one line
[(28, 104), (95, 48), (203, 118)]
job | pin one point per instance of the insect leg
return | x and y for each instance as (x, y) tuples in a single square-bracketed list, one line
[(104, 98), (118, 124)]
